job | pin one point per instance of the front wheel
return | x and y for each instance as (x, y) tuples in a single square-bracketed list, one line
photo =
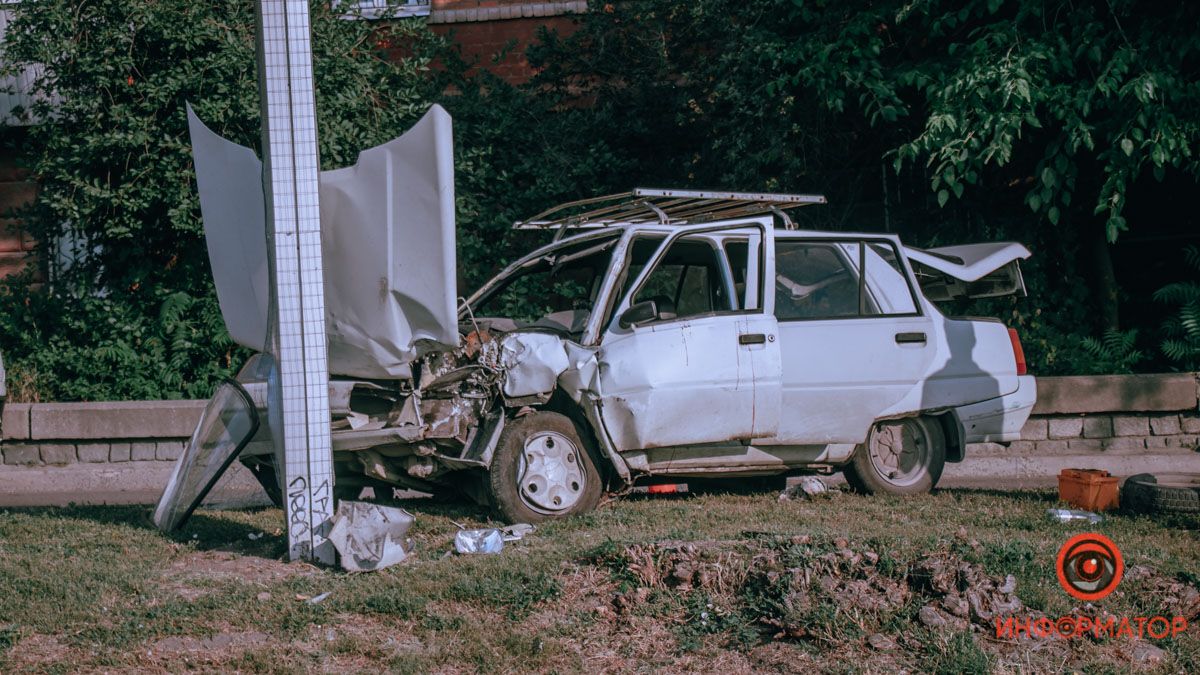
[(900, 457), (543, 469)]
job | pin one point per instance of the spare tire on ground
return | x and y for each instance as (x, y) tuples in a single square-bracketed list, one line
[(1161, 493)]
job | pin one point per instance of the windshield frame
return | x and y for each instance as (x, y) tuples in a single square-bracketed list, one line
[(497, 284)]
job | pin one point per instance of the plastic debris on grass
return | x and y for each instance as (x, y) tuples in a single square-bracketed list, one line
[(808, 487), (1069, 515), (370, 536)]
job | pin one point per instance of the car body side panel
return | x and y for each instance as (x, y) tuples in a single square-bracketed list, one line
[(703, 379), (840, 375), (684, 382), (974, 363)]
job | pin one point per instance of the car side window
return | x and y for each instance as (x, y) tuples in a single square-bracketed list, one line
[(641, 250), (737, 252), (686, 282), (822, 280)]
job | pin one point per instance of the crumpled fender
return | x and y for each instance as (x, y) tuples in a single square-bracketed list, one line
[(535, 363)]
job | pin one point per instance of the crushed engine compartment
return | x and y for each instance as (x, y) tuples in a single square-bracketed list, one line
[(422, 433)]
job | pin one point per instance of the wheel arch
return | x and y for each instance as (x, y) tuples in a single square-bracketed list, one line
[(955, 434), (615, 473)]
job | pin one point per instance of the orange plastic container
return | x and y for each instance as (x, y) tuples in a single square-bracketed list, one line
[(1088, 489)]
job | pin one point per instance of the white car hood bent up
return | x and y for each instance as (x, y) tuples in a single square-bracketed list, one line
[(387, 241)]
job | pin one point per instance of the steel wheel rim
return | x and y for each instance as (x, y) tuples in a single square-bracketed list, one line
[(551, 478), (900, 452)]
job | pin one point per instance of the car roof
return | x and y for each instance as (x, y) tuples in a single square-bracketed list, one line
[(619, 229)]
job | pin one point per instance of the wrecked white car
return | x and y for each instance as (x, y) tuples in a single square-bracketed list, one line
[(664, 335)]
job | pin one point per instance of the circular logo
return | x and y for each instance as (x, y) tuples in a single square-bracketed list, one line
[(1089, 566)]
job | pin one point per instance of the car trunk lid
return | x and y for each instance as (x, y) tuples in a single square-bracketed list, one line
[(970, 270)]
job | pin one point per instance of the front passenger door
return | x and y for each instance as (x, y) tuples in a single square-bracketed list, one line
[(707, 368)]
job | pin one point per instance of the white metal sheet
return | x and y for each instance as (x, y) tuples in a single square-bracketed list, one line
[(389, 251), (969, 262), (387, 233), (229, 177)]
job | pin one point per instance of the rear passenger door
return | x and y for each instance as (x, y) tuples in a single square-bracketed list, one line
[(855, 343)]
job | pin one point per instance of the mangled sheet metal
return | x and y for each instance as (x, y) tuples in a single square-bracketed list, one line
[(531, 362), (387, 236), (369, 536)]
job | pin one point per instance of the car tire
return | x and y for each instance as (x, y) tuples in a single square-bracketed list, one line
[(543, 468), (1161, 493), (900, 457)]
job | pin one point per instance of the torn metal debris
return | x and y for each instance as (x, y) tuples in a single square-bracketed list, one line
[(488, 540), (370, 536)]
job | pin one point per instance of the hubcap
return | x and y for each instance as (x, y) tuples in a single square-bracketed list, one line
[(549, 471), (900, 451)]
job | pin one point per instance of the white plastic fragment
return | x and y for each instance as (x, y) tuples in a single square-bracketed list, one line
[(370, 536), (488, 540), (516, 532), (808, 487), (317, 599)]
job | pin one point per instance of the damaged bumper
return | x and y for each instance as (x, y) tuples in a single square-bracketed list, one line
[(999, 420)]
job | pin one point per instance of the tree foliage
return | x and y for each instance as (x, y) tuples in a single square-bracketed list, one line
[(135, 315), (945, 122), (1181, 332)]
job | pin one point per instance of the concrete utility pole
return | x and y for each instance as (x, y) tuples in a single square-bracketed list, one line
[(299, 405)]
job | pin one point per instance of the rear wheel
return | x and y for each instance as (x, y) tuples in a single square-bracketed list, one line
[(900, 457), (543, 469)]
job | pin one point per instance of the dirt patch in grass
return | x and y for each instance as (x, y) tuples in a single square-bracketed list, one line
[(776, 599), (37, 650), (640, 584), (225, 565)]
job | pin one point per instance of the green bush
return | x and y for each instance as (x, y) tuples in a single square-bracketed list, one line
[(945, 122), (1181, 343), (136, 317)]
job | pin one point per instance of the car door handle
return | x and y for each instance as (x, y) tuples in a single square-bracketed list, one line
[(752, 339), (910, 338)]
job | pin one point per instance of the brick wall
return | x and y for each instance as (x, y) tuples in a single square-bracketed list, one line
[(16, 191), (1101, 433), (494, 34), (59, 434)]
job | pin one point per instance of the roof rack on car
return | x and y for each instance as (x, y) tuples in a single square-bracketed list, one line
[(666, 207)]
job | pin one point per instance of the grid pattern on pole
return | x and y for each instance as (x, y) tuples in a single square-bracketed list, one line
[(291, 176)]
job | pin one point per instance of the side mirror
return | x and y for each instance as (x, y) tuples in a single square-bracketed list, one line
[(646, 310)]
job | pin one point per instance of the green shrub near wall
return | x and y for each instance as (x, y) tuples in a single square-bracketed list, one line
[(136, 316), (943, 121)]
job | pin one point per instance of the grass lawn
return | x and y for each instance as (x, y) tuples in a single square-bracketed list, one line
[(712, 583)]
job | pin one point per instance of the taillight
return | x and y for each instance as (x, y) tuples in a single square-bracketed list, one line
[(1018, 352)]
